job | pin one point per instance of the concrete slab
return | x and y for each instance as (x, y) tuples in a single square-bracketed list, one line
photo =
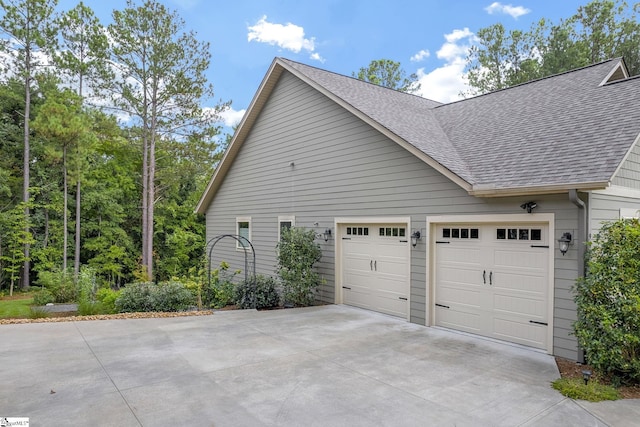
[(324, 366)]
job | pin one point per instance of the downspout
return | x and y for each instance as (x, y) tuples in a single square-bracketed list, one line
[(581, 238)]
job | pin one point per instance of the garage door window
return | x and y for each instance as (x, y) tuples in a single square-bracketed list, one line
[(526, 234), (357, 231), (392, 232), (460, 233)]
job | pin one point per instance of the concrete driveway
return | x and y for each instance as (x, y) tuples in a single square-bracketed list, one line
[(319, 366)]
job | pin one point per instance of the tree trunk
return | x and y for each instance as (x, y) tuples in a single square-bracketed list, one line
[(26, 269), (76, 259), (65, 210), (145, 200), (150, 205)]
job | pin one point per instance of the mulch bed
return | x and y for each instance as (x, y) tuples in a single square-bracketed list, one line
[(571, 369), (73, 317)]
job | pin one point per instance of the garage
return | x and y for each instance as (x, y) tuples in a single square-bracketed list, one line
[(375, 267), (493, 280)]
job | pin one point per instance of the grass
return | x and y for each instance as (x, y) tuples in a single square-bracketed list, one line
[(575, 388), (16, 307)]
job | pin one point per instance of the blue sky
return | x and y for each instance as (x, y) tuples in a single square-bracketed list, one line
[(428, 37)]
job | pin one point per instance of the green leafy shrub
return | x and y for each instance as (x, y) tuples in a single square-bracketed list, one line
[(107, 297), (146, 296), (261, 291), (608, 302), (60, 284), (297, 254), (220, 292), (43, 297), (575, 388)]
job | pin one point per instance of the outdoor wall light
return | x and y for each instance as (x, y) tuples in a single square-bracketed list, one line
[(327, 234), (529, 206), (586, 376), (414, 238), (565, 242)]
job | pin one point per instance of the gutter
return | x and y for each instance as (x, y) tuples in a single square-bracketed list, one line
[(582, 237)]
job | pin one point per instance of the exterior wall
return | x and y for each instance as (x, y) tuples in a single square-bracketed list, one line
[(606, 205), (629, 174), (344, 168)]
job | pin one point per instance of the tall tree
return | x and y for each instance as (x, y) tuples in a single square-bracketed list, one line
[(161, 84), (29, 26), (388, 73), (598, 31), (82, 57)]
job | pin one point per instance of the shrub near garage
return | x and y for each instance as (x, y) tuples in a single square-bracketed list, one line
[(608, 302), (147, 296), (261, 292), (297, 254)]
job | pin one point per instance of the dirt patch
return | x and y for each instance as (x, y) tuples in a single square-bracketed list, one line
[(571, 369)]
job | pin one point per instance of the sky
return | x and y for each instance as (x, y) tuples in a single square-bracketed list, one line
[(428, 37)]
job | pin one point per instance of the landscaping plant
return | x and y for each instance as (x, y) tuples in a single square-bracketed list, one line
[(608, 302), (297, 254), (260, 292)]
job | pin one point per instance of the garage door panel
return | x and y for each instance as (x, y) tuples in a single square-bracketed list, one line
[(463, 320), (390, 303), (451, 254), (467, 296), (529, 334), (519, 259), (531, 308), (520, 283)]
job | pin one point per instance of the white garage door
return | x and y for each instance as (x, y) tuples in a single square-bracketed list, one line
[(375, 267), (492, 280)]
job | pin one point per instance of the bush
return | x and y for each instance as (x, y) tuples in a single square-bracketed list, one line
[(107, 297), (60, 284), (262, 291), (146, 296), (43, 297), (219, 293), (608, 302), (297, 253)]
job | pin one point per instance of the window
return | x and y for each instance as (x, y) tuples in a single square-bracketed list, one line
[(519, 234), (243, 229), (460, 233), (285, 223), (392, 231), (357, 231)]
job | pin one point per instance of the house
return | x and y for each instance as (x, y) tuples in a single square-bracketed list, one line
[(445, 215)]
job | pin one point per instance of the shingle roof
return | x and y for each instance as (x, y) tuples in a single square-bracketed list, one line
[(564, 130)]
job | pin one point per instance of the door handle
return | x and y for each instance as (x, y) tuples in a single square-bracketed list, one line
[(371, 265), (491, 278), (484, 277), (375, 265)]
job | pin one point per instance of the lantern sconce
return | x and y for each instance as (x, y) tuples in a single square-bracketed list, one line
[(326, 234), (415, 236), (565, 241), (529, 206)]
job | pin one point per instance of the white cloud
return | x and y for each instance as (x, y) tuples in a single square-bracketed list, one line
[(420, 56), (507, 9), (232, 117), (445, 83), (288, 36)]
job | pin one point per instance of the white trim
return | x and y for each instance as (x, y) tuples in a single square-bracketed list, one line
[(619, 66), (432, 221), (626, 156), (240, 219), (338, 222), (285, 218), (618, 191)]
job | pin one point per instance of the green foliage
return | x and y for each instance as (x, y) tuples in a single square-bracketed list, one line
[(38, 313), (574, 388), (107, 298), (60, 284), (220, 292), (297, 254), (43, 297), (146, 296), (16, 308), (388, 73), (608, 301), (599, 30), (260, 292)]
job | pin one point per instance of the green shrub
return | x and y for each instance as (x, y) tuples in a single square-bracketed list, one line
[(262, 291), (146, 296), (220, 292), (38, 313), (107, 297), (297, 254), (608, 302), (60, 284), (43, 297), (135, 297)]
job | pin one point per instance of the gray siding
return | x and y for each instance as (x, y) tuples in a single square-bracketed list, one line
[(629, 174), (345, 168), (606, 207)]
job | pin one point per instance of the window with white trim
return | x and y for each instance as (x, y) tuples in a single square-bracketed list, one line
[(285, 223), (243, 229)]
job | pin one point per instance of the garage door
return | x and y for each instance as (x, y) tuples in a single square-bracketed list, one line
[(492, 280), (375, 267)]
